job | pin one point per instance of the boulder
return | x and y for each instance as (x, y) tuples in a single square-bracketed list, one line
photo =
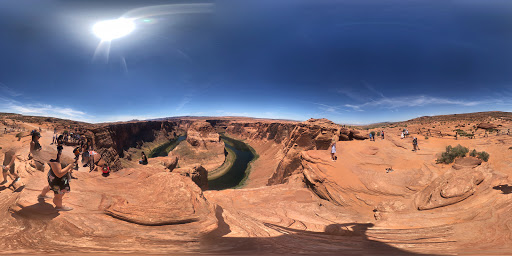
[(486, 126), (197, 173), (450, 188), (178, 201), (466, 162)]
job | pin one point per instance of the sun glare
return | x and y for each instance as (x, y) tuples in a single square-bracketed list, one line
[(108, 30)]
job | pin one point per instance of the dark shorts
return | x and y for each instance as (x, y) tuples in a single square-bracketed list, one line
[(58, 185)]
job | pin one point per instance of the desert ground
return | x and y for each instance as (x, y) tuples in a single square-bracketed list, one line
[(377, 198)]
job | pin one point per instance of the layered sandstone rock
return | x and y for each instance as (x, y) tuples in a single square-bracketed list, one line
[(203, 146), (487, 126), (450, 188), (197, 174)]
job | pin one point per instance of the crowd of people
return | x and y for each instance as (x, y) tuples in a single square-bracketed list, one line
[(58, 176)]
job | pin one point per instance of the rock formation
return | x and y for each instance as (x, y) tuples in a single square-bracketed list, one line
[(203, 146)]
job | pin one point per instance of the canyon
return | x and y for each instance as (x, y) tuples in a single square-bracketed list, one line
[(378, 197)]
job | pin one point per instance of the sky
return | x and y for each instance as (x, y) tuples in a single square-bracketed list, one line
[(351, 61)]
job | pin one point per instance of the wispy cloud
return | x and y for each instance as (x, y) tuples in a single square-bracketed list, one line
[(229, 113), (413, 101), (183, 102), (328, 108), (37, 109), (4, 89)]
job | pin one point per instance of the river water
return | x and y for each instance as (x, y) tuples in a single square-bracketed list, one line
[(236, 174)]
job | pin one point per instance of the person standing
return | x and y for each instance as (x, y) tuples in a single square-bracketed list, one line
[(415, 144), (58, 182), (333, 151), (382, 134)]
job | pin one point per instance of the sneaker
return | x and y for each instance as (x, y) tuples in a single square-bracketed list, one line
[(64, 209)]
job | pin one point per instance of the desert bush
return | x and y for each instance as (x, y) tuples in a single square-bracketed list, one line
[(451, 153), (473, 153), (510, 148), (378, 134), (426, 137), (484, 156)]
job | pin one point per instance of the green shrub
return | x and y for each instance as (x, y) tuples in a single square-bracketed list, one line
[(426, 137), (473, 153), (19, 135), (378, 134), (484, 156), (451, 153), (510, 148)]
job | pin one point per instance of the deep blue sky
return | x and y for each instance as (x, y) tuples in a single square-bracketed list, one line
[(350, 61)]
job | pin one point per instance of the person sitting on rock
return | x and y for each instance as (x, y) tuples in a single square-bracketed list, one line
[(333, 151), (10, 166), (58, 182), (144, 159), (105, 170)]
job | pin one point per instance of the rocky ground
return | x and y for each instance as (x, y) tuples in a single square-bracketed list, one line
[(379, 197)]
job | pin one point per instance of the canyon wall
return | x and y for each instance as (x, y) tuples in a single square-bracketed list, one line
[(112, 140), (294, 137)]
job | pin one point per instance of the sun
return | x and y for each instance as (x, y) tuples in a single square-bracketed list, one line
[(109, 30)]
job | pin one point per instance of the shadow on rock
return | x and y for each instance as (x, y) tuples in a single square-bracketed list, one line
[(337, 239), (505, 189), (41, 210)]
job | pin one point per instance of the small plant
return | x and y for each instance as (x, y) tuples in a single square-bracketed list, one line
[(510, 148), (378, 134), (451, 153), (473, 153), (484, 156), (426, 137)]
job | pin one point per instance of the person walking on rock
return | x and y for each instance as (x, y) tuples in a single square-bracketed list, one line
[(415, 144), (58, 182), (382, 134), (333, 151)]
